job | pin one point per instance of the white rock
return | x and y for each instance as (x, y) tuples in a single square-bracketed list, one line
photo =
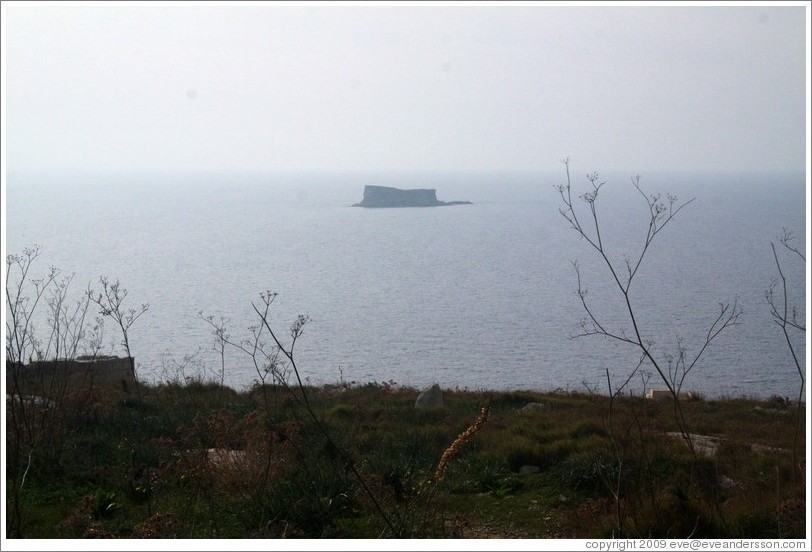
[(430, 399)]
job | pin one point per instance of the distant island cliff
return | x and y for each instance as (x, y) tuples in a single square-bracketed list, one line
[(383, 196)]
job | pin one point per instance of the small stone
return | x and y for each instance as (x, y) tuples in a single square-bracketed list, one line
[(529, 469), (533, 406), (333, 388), (727, 483)]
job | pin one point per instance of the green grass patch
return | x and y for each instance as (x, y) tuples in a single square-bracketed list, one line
[(205, 461)]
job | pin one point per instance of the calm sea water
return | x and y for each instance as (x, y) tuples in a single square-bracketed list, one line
[(477, 296)]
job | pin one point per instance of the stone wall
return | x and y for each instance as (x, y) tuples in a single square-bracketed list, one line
[(104, 370)]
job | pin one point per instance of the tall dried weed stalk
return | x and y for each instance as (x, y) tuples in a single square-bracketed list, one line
[(464, 437)]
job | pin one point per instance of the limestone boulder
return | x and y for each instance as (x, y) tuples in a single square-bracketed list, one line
[(429, 399)]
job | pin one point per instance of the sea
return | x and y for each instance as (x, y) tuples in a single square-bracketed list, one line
[(477, 297)]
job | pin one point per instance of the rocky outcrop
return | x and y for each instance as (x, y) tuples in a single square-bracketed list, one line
[(383, 196), (429, 399)]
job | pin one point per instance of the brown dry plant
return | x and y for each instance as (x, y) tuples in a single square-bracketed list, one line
[(464, 437)]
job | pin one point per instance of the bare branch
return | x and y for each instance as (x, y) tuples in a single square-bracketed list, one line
[(296, 331), (660, 213), (786, 239), (780, 314), (111, 304)]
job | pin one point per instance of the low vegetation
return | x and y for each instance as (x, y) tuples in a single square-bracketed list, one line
[(200, 460)]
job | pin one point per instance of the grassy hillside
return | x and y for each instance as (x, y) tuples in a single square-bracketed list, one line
[(204, 461)]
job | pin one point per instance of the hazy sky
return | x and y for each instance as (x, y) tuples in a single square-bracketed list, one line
[(415, 87)]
